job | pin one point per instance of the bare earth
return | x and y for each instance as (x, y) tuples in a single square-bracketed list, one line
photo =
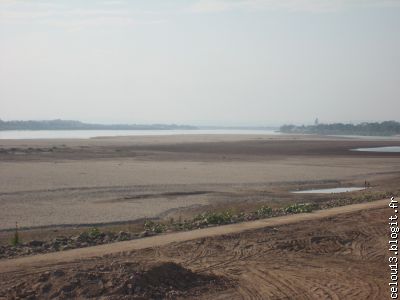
[(332, 254), (109, 180)]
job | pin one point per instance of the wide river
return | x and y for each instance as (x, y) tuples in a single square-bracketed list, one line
[(87, 134)]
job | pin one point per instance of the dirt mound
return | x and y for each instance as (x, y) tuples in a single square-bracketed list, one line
[(172, 275), (118, 280)]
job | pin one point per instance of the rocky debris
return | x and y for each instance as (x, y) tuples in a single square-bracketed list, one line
[(146, 233), (58, 273), (85, 239), (117, 280), (44, 277), (35, 243), (123, 236)]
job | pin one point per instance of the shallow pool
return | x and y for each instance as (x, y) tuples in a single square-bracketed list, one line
[(330, 190), (392, 149)]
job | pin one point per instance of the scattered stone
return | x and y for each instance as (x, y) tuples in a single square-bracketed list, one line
[(123, 236), (66, 247), (58, 273), (36, 286), (46, 287), (44, 276), (35, 243), (145, 234), (69, 287)]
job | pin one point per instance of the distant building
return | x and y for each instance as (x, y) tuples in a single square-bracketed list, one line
[(316, 122)]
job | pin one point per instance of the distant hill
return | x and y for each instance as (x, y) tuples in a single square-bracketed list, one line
[(386, 128), (76, 125)]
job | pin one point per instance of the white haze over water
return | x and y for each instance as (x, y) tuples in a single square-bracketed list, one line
[(86, 134)]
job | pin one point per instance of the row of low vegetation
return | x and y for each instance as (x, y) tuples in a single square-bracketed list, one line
[(207, 219), (228, 217), (200, 221)]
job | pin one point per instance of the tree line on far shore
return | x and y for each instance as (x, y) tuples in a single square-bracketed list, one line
[(386, 128), (76, 125)]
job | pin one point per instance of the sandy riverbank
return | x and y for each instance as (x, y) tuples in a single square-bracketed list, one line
[(105, 180)]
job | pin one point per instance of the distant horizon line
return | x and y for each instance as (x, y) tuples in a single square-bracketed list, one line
[(64, 124), (206, 126)]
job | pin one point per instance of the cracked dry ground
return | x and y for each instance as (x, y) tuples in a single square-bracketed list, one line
[(341, 257)]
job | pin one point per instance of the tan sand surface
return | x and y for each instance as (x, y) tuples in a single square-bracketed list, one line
[(119, 179)]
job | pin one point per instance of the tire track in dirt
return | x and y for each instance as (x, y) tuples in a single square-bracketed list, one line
[(266, 268), (338, 257)]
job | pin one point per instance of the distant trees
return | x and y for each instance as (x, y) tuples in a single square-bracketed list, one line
[(385, 128), (76, 125)]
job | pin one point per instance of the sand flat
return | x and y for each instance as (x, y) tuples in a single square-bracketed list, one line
[(101, 180)]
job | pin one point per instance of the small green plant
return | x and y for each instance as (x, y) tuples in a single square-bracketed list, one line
[(299, 208), (214, 218), (239, 217), (16, 239), (154, 227), (93, 232), (264, 211), (185, 225)]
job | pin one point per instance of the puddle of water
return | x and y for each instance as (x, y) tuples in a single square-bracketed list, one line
[(331, 190), (392, 149)]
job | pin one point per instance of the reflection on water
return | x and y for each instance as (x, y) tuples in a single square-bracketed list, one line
[(87, 134), (331, 190), (392, 149)]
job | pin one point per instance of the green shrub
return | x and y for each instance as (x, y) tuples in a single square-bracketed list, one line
[(16, 240), (299, 208), (240, 217), (185, 225), (214, 218), (93, 232), (264, 211), (154, 227)]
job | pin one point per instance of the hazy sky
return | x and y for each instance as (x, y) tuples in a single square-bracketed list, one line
[(222, 62)]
